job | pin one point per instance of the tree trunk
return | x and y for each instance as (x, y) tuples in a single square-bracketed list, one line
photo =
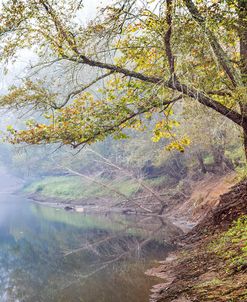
[(218, 155), (242, 6), (201, 162), (161, 211), (245, 138)]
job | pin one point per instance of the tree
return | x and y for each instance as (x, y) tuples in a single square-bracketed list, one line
[(149, 54), (219, 139)]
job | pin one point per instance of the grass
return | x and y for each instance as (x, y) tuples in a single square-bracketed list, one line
[(212, 282), (209, 160), (236, 154), (231, 246), (156, 182), (217, 270), (72, 187), (241, 172)]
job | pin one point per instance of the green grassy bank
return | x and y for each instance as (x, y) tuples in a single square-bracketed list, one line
[(73, 187)]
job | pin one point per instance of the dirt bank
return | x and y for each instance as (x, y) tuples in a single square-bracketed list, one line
[(211, 265), (187, 202)]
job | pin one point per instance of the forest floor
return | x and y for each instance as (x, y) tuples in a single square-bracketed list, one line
[(211, 263)]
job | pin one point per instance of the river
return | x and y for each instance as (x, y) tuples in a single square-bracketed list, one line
[(50, 255)]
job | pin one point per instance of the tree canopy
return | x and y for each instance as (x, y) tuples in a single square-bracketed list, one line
[(146, 56)]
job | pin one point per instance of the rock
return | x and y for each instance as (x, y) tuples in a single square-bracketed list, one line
[(79, 209), (68, 208), (127, 211)]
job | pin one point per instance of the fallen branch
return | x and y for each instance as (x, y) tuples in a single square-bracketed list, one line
[(111, 189)]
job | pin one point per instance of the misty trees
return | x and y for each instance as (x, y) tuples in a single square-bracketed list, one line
[(215, 144), (149, 54)]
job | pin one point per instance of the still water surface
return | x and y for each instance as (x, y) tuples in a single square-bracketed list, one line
[(51, 255)]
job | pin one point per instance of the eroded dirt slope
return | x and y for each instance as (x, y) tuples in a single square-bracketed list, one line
[(212, 264)]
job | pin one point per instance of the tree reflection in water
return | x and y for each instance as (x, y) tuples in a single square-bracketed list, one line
[(51, 255)]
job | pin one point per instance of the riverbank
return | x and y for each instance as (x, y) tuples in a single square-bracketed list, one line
[(211, 262), (211, 265), (118, 195), (186, 201)]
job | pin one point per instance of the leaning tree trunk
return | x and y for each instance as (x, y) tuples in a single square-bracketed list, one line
[(244, 114), (242, 6)]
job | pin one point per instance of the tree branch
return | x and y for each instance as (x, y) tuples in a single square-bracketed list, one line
[(207, 101), (131, 175), (113, 128), (78, 91), (111, 189), (174, 83), (82, 59), (220, 54), (219, 92), (168, 36)]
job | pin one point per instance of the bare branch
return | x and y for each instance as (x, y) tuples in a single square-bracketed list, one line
[(105, 186), (80, 90), (127, 173)]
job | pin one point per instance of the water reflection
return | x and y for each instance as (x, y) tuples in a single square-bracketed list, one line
[(52, 255)]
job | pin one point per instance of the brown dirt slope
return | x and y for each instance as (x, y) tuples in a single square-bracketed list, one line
[(231, 205), (204, 196), (212, 264)]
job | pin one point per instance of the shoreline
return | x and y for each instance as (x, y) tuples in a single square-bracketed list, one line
[(77, 207), (196, 272), (186, 212), (181, 274)]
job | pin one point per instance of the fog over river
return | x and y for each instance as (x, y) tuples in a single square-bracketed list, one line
[(48, 254)]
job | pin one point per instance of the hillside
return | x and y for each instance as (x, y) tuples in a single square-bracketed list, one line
[(212, 260)]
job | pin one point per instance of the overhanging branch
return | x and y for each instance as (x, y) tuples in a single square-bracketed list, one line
[(207, 101), (80, 90), (82, 59), (173, 83)]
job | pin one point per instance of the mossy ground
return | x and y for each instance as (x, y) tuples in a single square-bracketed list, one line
[(228, 253), (214, 269), (231, 246)]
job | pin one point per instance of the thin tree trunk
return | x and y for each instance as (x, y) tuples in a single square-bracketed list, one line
[(245, 137), (162, 209), (201, 162), (242, 6)]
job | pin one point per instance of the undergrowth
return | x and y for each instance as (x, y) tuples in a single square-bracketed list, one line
[(231, 246)]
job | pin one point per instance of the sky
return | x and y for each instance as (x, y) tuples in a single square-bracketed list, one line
[(16, 71), (90, 7)]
